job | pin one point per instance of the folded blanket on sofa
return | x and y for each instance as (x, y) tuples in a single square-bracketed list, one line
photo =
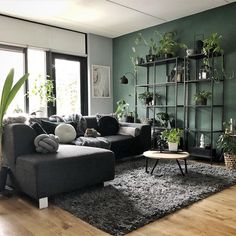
[(92, 142), (133, 131)]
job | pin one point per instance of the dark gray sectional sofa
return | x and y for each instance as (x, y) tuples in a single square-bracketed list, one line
[(72, 167)]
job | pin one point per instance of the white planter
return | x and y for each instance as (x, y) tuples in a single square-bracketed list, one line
[(173, 147)]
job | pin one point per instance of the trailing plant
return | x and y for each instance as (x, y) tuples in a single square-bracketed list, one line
[(163, 118), (9, 92), (172, 135)]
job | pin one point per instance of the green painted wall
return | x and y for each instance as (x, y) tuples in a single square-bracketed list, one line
[(221, 20)]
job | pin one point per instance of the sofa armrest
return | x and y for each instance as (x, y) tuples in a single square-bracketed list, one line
[(18, 139), (145, 133)]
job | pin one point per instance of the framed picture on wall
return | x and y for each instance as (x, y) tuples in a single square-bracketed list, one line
[(101, 81)]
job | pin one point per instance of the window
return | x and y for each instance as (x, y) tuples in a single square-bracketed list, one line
[(13, 57), (37, 77)]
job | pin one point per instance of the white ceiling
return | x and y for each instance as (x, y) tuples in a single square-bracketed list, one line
[(110, 18)]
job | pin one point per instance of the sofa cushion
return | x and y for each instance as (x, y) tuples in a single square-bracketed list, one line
[(108, 125), (50, 126)]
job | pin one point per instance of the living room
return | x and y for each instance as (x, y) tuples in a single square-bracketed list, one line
[(97, 65)]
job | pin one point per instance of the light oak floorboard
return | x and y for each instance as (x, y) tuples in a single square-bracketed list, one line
[(213, 216)]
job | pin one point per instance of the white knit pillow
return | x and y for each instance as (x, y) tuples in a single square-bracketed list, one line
[(66, 133)]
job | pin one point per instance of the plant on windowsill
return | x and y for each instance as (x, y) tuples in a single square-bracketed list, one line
[(43, 89), (227, 143), (9, 92), (172, 136), (201, 97)]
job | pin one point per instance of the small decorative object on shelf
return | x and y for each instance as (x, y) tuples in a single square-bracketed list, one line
[(201, 97), (202, 141)]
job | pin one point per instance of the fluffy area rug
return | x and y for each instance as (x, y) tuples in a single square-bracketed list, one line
[(135, 198)]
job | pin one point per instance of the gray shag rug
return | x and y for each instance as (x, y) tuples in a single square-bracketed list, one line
[(135, 198)]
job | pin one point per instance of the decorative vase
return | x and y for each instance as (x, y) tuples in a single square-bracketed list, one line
[(173, 147)]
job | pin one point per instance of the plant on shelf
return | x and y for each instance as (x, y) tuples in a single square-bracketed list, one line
[(147, 97), (201, 97), (227, 143), (163, 118), (212, 47), (151, 44), (172, 136), (9, 92), (168, 45), (122, 109)]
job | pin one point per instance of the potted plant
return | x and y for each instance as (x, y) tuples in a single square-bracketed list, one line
[(43, 89), (201, 97), (172, 136), (168, 45), (151, 44), (122, 109), (212, 47), (163, 118), (227, 143), (147, 97), (130, 117), (8, 94)]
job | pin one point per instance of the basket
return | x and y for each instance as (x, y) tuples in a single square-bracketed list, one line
[(230, 161)]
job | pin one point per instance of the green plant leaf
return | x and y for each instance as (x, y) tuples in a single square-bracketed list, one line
[(15, 90), (5, 92)]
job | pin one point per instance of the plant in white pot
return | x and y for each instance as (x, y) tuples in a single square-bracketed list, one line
[(9, 92), (172, 136)]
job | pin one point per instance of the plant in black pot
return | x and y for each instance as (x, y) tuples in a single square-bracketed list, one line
[(147, 97), (201, 97), (9, 92), (227, 143), (168, 45)]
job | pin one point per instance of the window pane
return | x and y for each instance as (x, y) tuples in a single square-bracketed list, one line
[(67, 86), (37, 70), (8, 60)]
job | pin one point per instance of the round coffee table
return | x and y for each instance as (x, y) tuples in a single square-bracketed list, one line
[(167, 155)]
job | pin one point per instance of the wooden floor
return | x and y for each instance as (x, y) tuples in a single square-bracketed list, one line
[(213, 216)]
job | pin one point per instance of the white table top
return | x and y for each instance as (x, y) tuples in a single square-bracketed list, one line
[(166, 155)]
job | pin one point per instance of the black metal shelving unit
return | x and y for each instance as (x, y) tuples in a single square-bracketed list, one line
[(153, 84), (192, 81)]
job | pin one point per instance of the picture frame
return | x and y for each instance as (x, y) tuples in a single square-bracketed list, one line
[(101, 81)]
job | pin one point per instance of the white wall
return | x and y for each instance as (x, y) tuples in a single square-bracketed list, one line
[(100, 52), (23, 33)]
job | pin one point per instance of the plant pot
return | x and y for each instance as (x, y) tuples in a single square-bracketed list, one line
[(168, 55), (129, 119), (150, 58), (148, 101), (173, 147), (3, 177), (199, 46), (201, 102), (230, 161)]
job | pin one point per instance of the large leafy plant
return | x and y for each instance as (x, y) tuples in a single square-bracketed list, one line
[(172, 135), (9, 92)]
